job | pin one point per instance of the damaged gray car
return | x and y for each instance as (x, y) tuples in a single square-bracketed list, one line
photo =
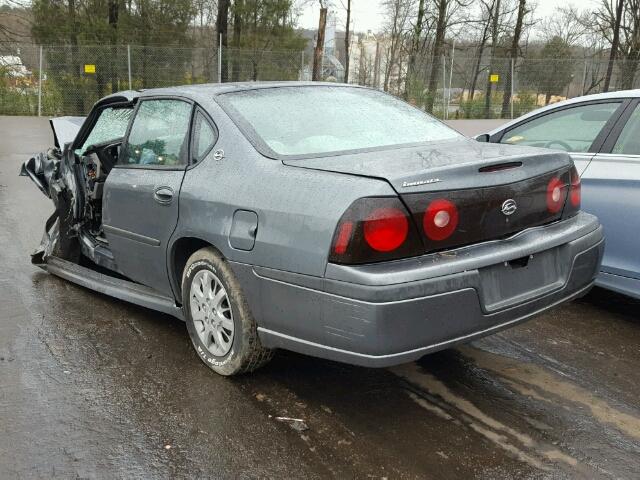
[(335, 221)]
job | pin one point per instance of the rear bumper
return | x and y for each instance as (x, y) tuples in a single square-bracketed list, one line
[(386, 314)]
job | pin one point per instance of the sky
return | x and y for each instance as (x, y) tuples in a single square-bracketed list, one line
[(367, 14)]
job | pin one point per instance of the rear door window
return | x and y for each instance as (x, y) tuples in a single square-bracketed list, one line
[(628, 142), (159, 134), (571, 129)]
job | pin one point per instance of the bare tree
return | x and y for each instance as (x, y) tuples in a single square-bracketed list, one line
[(568, 23), (444, 11), (347, 42), (496, 14), (615, 40), (399, 13), (15, 21), (319, 49), (114, 10), (222, 22), (238, 11), (416, 42), (486, 19), (513, 54), (203, 22), (630, 43)]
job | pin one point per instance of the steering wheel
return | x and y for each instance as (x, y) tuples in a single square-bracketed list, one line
[(565, 146)]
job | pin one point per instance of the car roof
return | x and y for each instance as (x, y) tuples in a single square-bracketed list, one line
[(213, 89), (210, 90), (585, 98)]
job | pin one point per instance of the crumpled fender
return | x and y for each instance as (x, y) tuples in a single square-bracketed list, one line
[(41, 169), (55, 178), (54, 173)]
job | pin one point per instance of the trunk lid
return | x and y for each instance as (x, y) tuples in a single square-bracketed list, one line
[(488, 191), (451, 165)]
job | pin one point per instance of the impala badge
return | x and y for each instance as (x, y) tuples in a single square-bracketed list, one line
[(218, 155), (420, 182), (509, 207)]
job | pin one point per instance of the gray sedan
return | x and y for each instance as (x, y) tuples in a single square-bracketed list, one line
[(336, 221), (602, 134)]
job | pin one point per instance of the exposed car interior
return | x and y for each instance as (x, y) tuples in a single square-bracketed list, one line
[(158, 137), (97, 162), (97, 156)]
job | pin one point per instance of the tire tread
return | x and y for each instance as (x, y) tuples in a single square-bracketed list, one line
[(254, 354)]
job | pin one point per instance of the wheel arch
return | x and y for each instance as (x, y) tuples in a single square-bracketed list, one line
[(181, 250)]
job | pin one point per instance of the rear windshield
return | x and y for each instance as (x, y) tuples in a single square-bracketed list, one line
[(315, 120)]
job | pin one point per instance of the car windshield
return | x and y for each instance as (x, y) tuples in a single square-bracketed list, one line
[(314, 120), (111, 125)]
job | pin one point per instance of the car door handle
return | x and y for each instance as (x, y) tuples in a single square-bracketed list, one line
[(163, 195)]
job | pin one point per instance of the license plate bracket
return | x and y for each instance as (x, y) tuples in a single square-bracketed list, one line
[(521, 279)]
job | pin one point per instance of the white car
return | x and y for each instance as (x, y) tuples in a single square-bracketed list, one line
[(602, 134)]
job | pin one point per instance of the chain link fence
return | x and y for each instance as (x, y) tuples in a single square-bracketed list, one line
[(468, 87), (68, 80)]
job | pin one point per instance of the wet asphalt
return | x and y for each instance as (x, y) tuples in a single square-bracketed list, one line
[(92, 387)]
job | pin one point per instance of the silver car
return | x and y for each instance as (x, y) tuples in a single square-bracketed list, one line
[(335, 221), (602, 135)]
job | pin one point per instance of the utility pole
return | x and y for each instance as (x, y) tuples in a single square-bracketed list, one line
[(319, 50), (347, 43), (222, 23), (615, 41), (513, 64), (129, 64), (40, 84), (453, 53), (220, 59)]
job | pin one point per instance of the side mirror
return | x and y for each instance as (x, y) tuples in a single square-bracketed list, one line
[(482, 138)]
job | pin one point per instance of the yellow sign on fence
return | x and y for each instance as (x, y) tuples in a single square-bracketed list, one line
[(494, 78), (89, 68)]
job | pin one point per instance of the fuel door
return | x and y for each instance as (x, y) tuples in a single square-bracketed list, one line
[(244, 230)]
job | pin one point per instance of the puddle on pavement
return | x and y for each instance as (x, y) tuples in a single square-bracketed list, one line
[(516, 443), (532, 380), (534, 383)]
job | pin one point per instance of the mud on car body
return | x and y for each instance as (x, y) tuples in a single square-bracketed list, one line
[(336, 221)]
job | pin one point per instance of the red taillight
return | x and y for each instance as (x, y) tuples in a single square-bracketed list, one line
[(342, 240), (555, 195), (575, 194), (375, 229), (385, 229), (440, 219)]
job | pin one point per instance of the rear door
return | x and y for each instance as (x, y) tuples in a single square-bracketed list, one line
[(578, 129), (611, 190), (140, 203)]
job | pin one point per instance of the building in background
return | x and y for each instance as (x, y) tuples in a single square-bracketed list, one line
[(14, 71), (367, 64), (332, 68), (332, 64)]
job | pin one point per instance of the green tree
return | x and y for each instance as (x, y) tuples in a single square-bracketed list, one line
[(259, 27), (556, 56), (95, 32)]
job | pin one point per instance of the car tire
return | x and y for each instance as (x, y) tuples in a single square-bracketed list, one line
[(220, 324)]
